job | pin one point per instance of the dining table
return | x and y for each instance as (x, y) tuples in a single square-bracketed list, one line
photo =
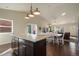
[(58, 35)]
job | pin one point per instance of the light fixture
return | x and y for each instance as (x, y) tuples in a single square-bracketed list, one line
[(63, 14), (36, 12), (32, 13), (27, 17)]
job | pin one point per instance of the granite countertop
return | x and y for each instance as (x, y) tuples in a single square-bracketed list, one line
[(38, 38), (41, 37), (34, 38)]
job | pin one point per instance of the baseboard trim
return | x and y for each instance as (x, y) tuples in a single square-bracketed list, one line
[(1, 54)]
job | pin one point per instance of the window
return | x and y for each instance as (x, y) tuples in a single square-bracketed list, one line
[(6, 26)]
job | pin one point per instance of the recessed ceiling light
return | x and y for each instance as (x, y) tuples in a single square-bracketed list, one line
[(63, 14)]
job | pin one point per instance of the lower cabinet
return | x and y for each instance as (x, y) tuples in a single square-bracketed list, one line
[(40, 48), (29, 48)]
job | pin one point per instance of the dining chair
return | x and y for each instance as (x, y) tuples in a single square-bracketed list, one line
[(62, 39), (59, 39), (56, 37), (51, 38)]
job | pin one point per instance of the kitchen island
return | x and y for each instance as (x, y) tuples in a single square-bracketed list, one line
[(23, 46)]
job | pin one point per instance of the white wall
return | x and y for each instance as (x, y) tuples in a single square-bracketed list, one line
[(39, 20), (5, 38), (71, 27), (19, 24)]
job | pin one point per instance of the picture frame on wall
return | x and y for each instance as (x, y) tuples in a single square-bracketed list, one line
[(6, 26)]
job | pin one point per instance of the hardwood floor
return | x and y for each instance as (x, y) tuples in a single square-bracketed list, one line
[(4, 47), (69, 49)]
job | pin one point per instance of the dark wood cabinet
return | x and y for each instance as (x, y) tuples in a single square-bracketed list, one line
[(29, 48), (40, 48)]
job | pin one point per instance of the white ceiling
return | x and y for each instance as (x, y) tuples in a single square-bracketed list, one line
[(50, 11)]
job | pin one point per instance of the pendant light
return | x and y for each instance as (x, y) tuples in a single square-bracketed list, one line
[(31, 12), (27, 17), (36, 12)]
